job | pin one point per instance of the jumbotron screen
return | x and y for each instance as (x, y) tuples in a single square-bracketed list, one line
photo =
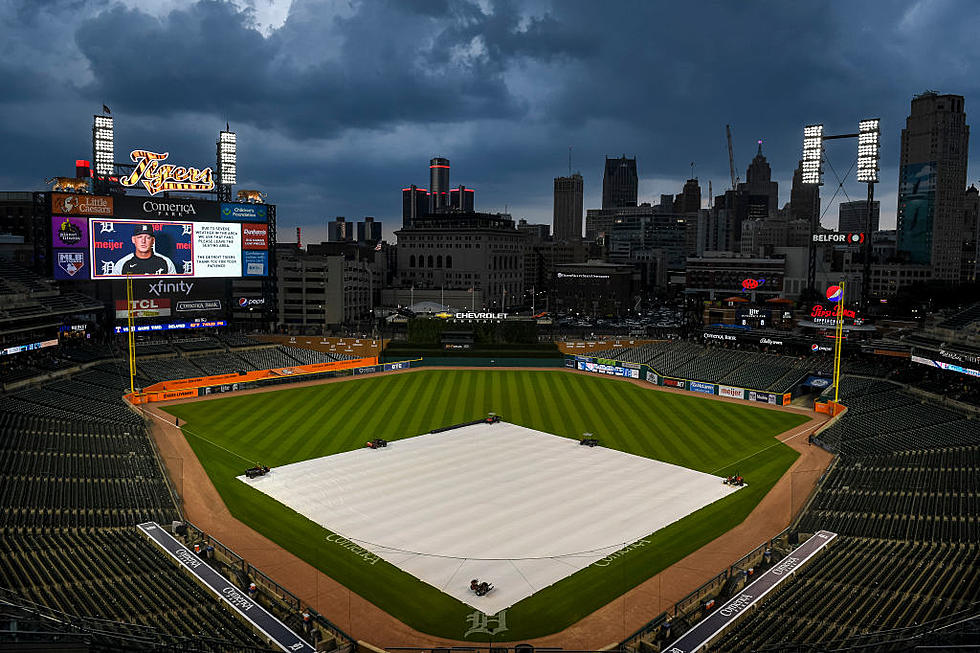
[(153, 239)]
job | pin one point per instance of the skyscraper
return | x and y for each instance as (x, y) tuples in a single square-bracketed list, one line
[(804, 199), (971, 235), (368, 231), (462, 199), (567, 217), (339, 229), (762, 191), (932, 178), (619, 183), (853, 217), (438, 184), (415, 204), (689, 201)]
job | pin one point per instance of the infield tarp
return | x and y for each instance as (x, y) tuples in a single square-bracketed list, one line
[(516, 507)]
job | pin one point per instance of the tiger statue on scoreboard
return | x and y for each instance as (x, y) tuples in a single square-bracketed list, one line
[(252, 196), (70, 184)]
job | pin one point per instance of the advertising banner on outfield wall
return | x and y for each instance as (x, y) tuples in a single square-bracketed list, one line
[(697, 386), (652, 377), (731, 391), (611, 370), (763, 397), (675, 383)]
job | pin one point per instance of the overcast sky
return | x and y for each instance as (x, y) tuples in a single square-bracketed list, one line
[(338, 105)]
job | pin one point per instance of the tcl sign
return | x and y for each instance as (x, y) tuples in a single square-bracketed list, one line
[(143, 304), (143, 308)]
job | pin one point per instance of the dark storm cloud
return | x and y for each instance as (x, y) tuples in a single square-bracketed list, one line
[(341, 104), (391, 63)]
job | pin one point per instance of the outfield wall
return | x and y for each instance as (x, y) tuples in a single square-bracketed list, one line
[(219, 384), (644, 372)]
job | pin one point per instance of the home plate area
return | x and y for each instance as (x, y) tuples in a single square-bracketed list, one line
[(518, 508)]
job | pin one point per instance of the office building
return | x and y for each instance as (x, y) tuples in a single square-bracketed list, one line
[(415, 204), (721, 273), (761, 193), (368, 231), (438, 184), (567, 217), (339, 230), (970, 235), (462, 199), (594, 288), (319, 292), (689, 201), (538, 232), (853, 217), (932, 178), (619, 183), (459, 251), (804, 199)]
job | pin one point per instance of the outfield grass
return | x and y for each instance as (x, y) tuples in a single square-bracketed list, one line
[(287, 426)]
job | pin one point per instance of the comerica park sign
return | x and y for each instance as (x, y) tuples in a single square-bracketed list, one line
[(157, 177)]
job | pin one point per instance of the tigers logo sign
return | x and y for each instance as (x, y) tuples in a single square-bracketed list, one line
[(157, 177)]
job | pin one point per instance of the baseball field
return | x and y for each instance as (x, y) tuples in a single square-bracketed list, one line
[(291, 425)]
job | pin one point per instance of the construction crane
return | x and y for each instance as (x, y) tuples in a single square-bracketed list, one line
[(731, 157)]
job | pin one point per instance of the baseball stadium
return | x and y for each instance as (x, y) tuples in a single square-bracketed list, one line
[(617, 501), (184, 469)]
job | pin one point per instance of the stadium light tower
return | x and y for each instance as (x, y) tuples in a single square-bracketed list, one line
[(103, 145), (869, 133), (227, 146), (811, 170), (869, 153)]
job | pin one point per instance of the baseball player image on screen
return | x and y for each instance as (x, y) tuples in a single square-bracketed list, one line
[(144, 260)]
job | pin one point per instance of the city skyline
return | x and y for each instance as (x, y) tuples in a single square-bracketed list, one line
[(328, 128)]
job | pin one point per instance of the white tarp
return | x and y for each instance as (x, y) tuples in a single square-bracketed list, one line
[(516, 507)]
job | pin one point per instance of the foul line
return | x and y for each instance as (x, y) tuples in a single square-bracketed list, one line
[(803, 429), (187, 431)]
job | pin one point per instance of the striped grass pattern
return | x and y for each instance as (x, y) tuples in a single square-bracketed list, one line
[(285, 426)]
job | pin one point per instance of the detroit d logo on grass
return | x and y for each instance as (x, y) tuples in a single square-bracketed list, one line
[(486, 624)]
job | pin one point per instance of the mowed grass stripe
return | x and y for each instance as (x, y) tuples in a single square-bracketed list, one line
[(331, 418)]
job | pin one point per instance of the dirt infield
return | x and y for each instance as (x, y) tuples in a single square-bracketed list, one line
[(608, 625)]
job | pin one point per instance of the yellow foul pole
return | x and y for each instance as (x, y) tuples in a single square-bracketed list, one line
[(839, 345), (130, 336)]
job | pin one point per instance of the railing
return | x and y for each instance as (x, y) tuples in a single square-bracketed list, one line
[(690, 606), (291, 604)]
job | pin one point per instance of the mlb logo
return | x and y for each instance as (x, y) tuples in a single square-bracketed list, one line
[(71, 262)]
